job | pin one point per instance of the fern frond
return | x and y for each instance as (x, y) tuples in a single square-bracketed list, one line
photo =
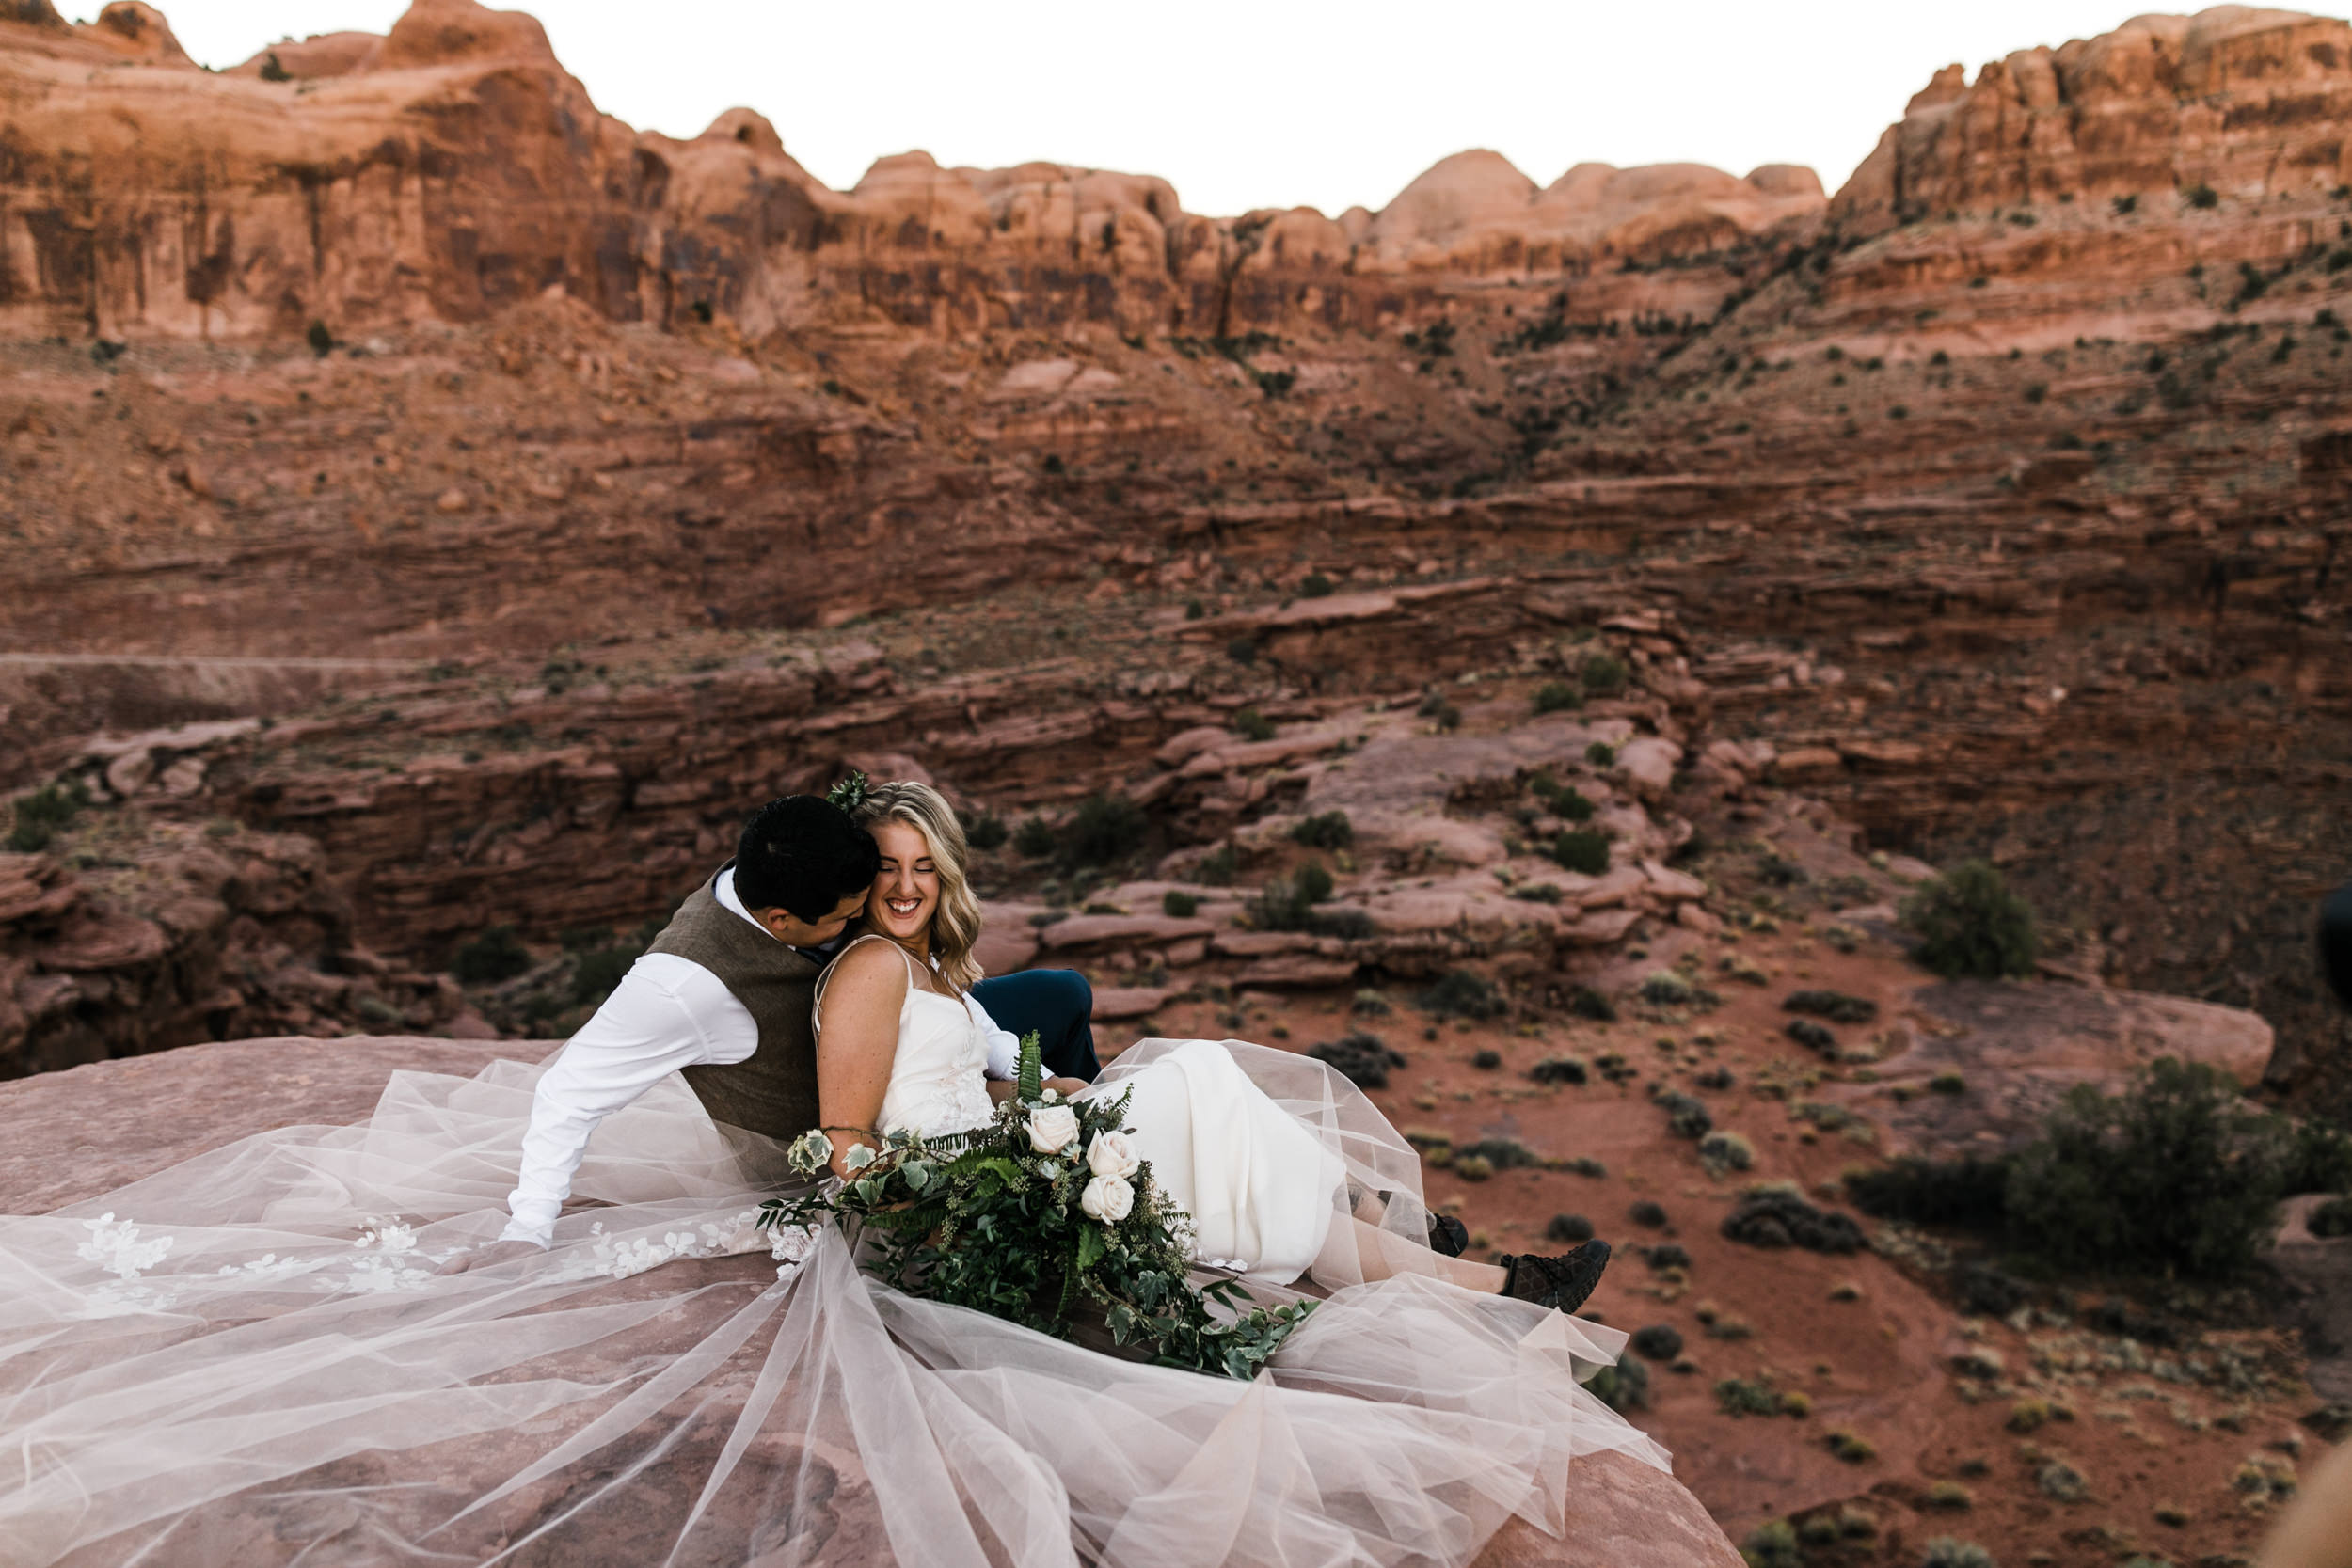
[(1032, 1079)]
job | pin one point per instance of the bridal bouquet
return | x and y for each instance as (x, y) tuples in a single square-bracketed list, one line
[(1043, 1210)]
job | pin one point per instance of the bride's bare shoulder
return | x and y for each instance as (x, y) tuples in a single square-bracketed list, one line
[(871, 967)]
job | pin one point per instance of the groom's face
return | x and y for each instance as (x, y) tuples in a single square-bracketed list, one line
[(801, 933)]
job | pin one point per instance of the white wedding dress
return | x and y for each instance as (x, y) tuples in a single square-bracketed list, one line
[(249, 1359), (1261, 1189)]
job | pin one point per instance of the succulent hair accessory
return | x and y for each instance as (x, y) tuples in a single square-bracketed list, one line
[(850, 793)]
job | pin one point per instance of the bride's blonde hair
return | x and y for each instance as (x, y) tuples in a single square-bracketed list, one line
[(956, 922)]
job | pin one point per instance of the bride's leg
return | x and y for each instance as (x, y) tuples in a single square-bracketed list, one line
[(1357, 1250)]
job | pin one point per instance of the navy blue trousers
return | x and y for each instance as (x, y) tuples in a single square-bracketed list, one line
[(1058, 1005)]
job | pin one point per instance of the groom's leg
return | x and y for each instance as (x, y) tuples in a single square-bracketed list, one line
[(1058, 1005)]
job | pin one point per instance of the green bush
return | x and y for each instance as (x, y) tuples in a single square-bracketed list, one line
[(2319, 1160), (1971, 925), (1599, 754), (2332, 1218), (1944, 1552), (986, 832), (1242, 650), (1967, 1195), (1622, 1387), (1771, 1544), (1563, 800), (1724, 1152), (1605, 674), (1585, 850), (1460, 993), (2176, 1175), (1105, 828), (1252, 726), (1329, 829), (272, 70), (1216, 867), (1315, 585), (2203, 196), (1558, 697), (1290, 906), (498, 954), (1035, 839), (597, 971), (1686, 1115), (1313, 882), (1178, 905), (42, 815)]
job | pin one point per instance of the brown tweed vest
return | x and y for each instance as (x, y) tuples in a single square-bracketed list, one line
[(773, 1091)]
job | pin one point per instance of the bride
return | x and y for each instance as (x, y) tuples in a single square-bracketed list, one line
[(264, 1356), (903, 1044)]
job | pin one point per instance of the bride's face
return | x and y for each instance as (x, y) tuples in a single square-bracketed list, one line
[(906, 894)]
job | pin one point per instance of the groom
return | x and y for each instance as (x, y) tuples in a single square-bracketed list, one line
[(724, 998)]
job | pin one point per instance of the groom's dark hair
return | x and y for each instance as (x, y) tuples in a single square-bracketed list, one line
[(802, 855)]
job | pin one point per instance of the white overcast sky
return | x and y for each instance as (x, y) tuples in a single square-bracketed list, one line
[(1262, 103)]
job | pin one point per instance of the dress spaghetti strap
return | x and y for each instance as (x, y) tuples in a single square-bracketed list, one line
[(816, 1006)]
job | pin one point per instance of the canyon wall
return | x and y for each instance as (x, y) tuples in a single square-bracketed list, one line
[(2003, 495)]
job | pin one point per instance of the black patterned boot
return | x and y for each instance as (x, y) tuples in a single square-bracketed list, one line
[(1561, 1282)]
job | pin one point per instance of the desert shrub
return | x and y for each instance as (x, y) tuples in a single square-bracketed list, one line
[(1584, 1001), (1474, 1168), (1722, 1152), (1539, 893), (1772, 1545), (498, 954), (2061, 1481), (2332, 1218), (1852, 1447), (2177, 1174), (1502, 1153), (1315, 585), (1599, 754), (1737, 1396), (987, 831), (1486, 1061), (1370, 1002), (2029, 1415), (596, 972), (1971, 925), (1178, 905), (1557, 697), (1461, 993), (2319, 1159), (43, 813), (1718, 1077), (1560, 1070), (1216, 867), (1585, 850), (1252, 726), (320, 337), (1949, 1497), (1944, 1552), (1658, 1342), (1666, 1255), (1362, 1058), (1665, 988), (1569, 1227), (1647, 1215), (1969, 1194), (273, 70), (1290, 905), (1622, 1387), (1947, 1083), (1812, 1035), (1777, 1217), (1604, 675), (1585, 1165), (1984, 1290), (1035, 839), (1105, 828), (1820, 1529), (1686, 1118), (1835, 1006), (1329, 829), (1242, 650)]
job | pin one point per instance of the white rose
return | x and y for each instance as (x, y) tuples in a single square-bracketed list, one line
[(1107, 1198), (1053, 1129), (1111, 1154)]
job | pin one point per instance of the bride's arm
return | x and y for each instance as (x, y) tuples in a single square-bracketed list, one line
[(857, 1039)]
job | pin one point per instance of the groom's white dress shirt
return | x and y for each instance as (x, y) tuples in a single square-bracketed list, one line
[(667, 1013)]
